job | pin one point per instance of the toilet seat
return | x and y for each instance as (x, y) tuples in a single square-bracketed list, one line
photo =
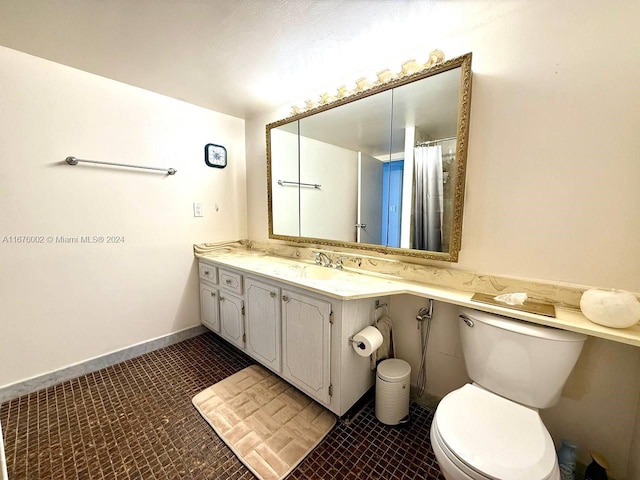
[(450, 465), (490, 437)]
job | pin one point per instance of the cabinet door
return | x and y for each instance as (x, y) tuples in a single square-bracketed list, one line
[(306, 342), (209, 313), (263, 323), (232, 318)]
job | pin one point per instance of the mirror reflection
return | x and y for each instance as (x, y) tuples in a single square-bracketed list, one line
[(379, 172), (336, 148)]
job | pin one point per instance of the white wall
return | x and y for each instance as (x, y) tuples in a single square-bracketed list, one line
[(65, 303), (552, 162), (552, 188), (334, 168), (445, 362), (285, 199), (407, 186), (598, 406), (634, 458), (552, 178)]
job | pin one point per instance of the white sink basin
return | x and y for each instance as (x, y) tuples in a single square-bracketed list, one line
[(315, 272)]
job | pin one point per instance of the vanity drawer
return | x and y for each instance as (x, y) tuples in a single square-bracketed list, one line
[(231, 281), (209, 273)]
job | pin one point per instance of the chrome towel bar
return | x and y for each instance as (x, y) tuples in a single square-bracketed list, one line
[(284, 183), (74, 161)]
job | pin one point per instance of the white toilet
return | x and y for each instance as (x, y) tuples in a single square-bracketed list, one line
[(491, 429)]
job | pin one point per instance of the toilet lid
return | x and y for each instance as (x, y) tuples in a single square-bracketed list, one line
[(495, 436)]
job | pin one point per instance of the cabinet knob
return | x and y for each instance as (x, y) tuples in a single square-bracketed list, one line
[(273, 294), (221, 298), (206, 272), (227, 281), (285, 298), (213, 294)]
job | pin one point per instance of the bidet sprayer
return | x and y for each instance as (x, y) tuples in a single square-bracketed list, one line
[(425, 313)]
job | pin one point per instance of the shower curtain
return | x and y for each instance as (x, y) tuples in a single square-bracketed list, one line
[(427, 199)]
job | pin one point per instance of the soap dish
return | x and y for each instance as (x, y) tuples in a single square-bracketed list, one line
[(529, 306)]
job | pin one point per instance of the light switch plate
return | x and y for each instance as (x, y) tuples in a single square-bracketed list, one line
[(197, 209)]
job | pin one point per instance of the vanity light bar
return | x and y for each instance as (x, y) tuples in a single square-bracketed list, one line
[(408, 68)]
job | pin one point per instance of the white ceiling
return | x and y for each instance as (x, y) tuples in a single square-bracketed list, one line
[(240, 57)]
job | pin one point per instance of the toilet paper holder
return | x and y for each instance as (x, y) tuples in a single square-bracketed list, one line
[(358, 344)]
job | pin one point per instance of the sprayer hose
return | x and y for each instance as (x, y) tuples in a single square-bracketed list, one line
[(422, 372)]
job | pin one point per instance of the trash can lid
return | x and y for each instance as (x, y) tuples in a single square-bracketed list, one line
[(393, 369)]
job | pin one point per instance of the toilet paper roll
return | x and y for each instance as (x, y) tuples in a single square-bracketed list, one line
[(367, 341)]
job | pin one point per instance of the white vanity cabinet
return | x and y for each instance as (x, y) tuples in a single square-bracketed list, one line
[(263, 323), (232, 318), (306, 343), (243, 311), (209, 307), (209, 303), (231, 307), (301, 335)]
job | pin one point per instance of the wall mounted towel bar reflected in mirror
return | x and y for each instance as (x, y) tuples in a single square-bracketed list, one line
[(284, 183), (74, 161)]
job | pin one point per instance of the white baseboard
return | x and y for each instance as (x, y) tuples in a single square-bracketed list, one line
[(23, 387)]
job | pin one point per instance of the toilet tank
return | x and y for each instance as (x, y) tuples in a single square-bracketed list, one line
[(523, 362)]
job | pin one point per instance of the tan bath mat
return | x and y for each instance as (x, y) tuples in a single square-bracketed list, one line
[(267, 423)]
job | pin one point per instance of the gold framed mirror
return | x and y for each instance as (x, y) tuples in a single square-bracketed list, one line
[(380, 170)]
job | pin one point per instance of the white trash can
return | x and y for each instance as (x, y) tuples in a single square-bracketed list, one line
[(393, 386)]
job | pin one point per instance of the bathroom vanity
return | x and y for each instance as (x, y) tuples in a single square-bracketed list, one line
[(298, 333)]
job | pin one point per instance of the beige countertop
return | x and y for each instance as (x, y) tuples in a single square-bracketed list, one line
[(350, 285)]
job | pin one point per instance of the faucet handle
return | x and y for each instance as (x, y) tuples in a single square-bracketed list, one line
[(323, 259), (340, 262)]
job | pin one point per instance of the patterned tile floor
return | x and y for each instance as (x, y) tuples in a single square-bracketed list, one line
[(135, 420)]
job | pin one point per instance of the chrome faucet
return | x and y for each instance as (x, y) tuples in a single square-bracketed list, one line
[(339, 263), (323, 259)]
